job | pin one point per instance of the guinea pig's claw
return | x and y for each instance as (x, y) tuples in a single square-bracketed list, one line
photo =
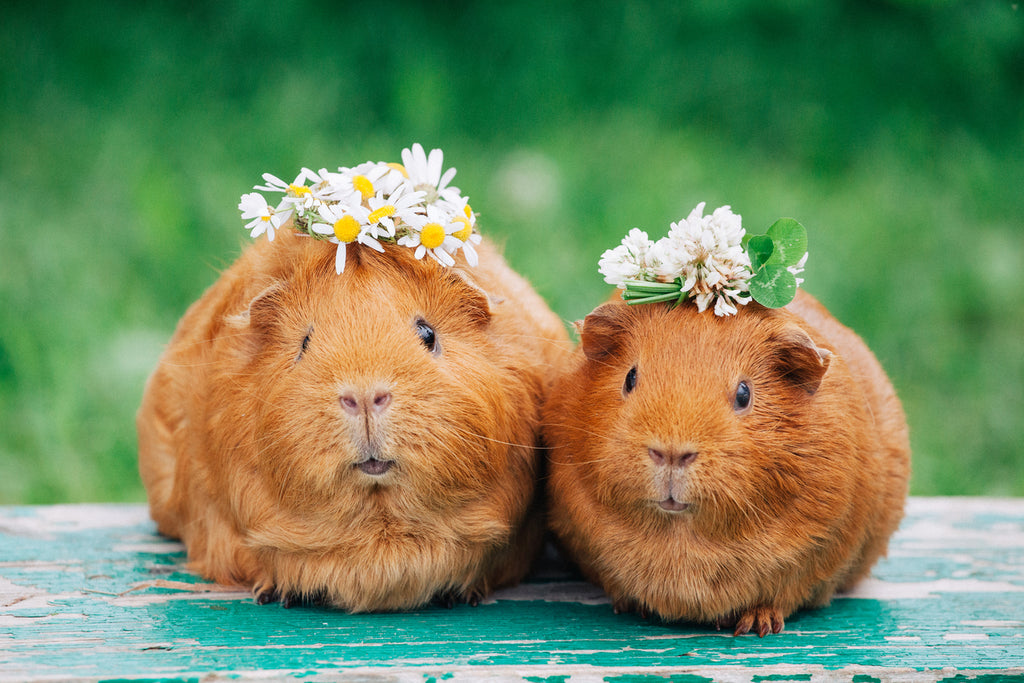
[(627, 605), (290, 600), (446, 600), (623, 606), (449, 599), (266, 595), (763, 620)]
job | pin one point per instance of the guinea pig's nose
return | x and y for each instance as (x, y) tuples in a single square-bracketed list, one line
[(672, 457), (356, 402)]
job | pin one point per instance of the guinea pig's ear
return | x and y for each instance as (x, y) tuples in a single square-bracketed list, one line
[(477, 302), (800, 360), (263, 307), (601, 332)]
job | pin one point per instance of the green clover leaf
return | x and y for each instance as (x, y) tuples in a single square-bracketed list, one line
[(760, 249), (773, 286), (771, 255), (790, 239)]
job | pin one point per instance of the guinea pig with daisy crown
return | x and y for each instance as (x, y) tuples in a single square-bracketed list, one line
[(723, 469), (366, 438)]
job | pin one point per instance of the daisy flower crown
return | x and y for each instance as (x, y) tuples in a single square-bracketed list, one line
[(410, 204), (711, 260)]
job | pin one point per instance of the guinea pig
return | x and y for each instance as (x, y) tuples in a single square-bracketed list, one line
[(726, 471), (366, 440)]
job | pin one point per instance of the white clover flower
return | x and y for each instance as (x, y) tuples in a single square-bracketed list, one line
[(262, 218), (434, 234), (424, 173), (703, 258), (345, 225), (631, 260), (706, 253), (799, 268), (385, 210)]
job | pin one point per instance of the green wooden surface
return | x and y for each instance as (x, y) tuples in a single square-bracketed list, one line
[(92, 593)]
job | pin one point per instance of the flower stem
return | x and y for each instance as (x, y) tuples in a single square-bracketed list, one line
[(652, 287), (652, 299)]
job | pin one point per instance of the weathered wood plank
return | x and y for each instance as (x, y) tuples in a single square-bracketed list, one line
[(90, 592)]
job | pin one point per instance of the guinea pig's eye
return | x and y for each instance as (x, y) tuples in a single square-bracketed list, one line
[(630, 384), (744, 395), (305, 344), (427, 335)]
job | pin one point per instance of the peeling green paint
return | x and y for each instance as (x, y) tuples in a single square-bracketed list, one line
[(655, 678), (113, 601), (985, 678)]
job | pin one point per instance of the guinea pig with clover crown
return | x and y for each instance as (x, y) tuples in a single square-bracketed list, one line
[(353, 420), (724, 469)]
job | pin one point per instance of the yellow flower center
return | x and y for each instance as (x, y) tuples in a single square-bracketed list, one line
[(399, 168), (469, 211), (363, 185), (298, 190), (385, 211), (432, 235), (265, 219), (346, 229), (466, 230)]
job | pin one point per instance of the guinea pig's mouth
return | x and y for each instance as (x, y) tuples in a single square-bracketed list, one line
[(375, 467), (673, 505)]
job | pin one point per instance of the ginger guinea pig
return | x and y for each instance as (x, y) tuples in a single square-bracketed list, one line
[(366, 439), (724, 470)]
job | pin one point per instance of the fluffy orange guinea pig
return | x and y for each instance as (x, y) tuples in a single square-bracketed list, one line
[(724, 470), (365, 440)]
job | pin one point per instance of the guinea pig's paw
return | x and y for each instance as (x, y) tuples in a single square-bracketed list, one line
[(473, 597), (762, 619), (449, 599), (265, 593), (628, 605)]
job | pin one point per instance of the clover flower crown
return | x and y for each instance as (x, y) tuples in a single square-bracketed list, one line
[(410, 204), (711, 260)]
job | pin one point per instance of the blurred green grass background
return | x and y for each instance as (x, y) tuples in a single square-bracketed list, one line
[(893, 130)]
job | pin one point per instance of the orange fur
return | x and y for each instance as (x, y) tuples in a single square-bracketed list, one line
[(249, 454), (789, 500)]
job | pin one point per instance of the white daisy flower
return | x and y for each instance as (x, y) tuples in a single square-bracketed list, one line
[(434, 234), (462, 214), (297, 189), (262, 218), (373, 202), (386, 210), (631, 260), (322, 190), (458, 207), (424, 173), (296, 193), (367, 179), (345, 225)]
